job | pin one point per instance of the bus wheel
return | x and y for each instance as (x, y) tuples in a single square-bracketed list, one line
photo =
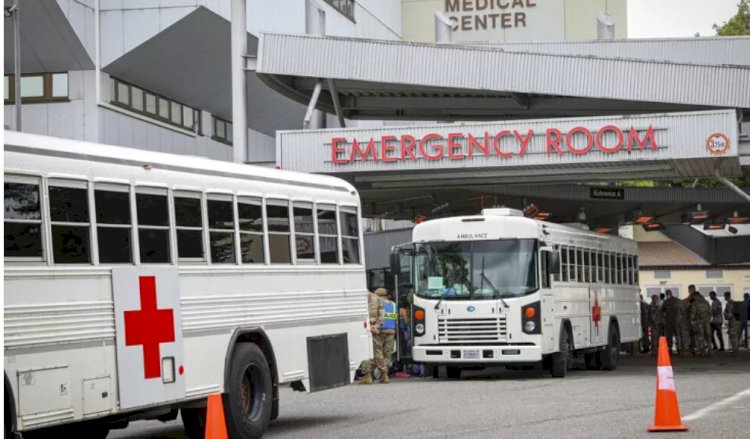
[(194, 421), (249, 392), (453, 372), (611, 355), (561, 359)]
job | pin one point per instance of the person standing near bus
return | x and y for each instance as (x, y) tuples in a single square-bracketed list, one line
[(670, 307), (716, 321), (744, 336), (384, 335), (733, 320), (645, 343), (373, 311), (684, 344), (700, 319), (656, 322)]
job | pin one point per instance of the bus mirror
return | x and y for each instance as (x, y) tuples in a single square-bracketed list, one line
[(395, 264), (553, 262)]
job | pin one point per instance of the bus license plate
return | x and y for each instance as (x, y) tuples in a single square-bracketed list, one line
[(471, 354)]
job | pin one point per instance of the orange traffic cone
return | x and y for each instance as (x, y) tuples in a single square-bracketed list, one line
[(667, 413), (216, 426)]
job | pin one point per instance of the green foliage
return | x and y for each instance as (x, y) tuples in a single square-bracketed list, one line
[(737, 25)]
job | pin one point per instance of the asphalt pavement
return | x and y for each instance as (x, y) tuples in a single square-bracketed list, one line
[(713, 394)]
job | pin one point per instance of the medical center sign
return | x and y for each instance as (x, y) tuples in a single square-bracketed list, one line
[(506, 144)]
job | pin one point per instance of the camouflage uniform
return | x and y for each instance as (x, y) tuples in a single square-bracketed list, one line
[(383, 340), (656, 320), (734, 325), (700, 318), (670, 310), (684, 343)]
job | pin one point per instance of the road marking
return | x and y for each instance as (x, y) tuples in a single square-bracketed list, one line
[(717, 405)]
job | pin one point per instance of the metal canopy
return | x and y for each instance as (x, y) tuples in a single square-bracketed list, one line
[(48, 42), (414, 81), (190, 61)]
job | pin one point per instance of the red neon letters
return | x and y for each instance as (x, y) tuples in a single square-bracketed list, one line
[(505, 144)]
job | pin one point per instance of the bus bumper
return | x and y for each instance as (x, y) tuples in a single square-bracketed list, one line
[(477, 354)]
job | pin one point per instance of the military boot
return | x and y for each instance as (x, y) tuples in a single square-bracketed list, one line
[(366, 378), (384, 377)]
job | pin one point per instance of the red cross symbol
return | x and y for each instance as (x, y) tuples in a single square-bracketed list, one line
[(148, 327), (596, 311)]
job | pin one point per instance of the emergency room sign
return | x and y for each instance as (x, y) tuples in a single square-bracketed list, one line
[(150, 361)]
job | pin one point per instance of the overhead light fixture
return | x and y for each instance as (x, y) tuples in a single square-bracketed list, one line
[(582, 214), (696, 217), (713, 226), (732, 230), (640, 218), (541, 216), (736, 219), (531, 210), (644, 219), (603, 230), (652, 227)]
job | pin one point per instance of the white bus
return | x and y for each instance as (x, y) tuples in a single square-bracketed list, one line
[(499, 288), (137, 283)]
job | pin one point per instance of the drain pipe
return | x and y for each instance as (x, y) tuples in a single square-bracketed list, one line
[(731, 185)]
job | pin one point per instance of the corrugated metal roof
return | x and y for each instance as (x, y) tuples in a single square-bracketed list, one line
[(711, 51), (665, 254), (494, 69)]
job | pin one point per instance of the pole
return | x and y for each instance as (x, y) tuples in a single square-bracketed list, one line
[(239, 80), (315, 24), (17, 61)]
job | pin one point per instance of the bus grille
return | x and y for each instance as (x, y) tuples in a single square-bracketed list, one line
[(471, 330)]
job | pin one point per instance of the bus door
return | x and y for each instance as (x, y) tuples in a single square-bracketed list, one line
[(150, 361)]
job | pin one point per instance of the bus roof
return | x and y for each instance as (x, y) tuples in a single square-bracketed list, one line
[(94, 152)]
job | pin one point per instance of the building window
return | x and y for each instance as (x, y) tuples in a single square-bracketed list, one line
[(346, 7), (69, 217), (714, 274), (23, 218), (154, 106), (222, 131), (38, 88)]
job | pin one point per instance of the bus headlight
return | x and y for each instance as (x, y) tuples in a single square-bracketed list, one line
[(529, 326), (419, 328)]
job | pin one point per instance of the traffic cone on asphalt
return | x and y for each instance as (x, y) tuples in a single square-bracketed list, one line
[(216, 425), (667, 413)]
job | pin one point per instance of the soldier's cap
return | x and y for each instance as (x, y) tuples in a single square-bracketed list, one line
[(382, 292)]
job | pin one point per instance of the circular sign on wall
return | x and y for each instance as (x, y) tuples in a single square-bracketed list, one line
[(717, 143)]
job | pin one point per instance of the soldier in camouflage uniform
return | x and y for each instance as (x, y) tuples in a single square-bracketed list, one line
[(670, 309), (700, 319), (733, 319), (383, 327), (656, 321)]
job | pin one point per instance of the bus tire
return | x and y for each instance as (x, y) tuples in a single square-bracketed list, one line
[(249, 401), (453, 372), (561, 360), (610, 356), (194, 421)]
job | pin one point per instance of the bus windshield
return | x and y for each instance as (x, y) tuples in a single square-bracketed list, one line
[(475, 269)]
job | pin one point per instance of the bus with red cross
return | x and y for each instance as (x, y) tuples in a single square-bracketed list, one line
[(139, 283), (502, 289)]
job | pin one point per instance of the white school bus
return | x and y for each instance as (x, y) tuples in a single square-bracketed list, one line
[(138, 283), (499, 288)]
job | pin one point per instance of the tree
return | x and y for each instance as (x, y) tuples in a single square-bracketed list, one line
[(737, 25)]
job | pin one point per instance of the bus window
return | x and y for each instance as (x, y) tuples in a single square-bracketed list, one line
[(152, 211), (635, 267), (221, 229), (619, 270), (605, 268), (564, 264), (277, 212), (23, 218), (543, 270), (631, 271), (69, 217), (250, 213), (580, 277), (612, 268), (328, 234), (189, 224), (350, 235), (304, 233), (113, 223)]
